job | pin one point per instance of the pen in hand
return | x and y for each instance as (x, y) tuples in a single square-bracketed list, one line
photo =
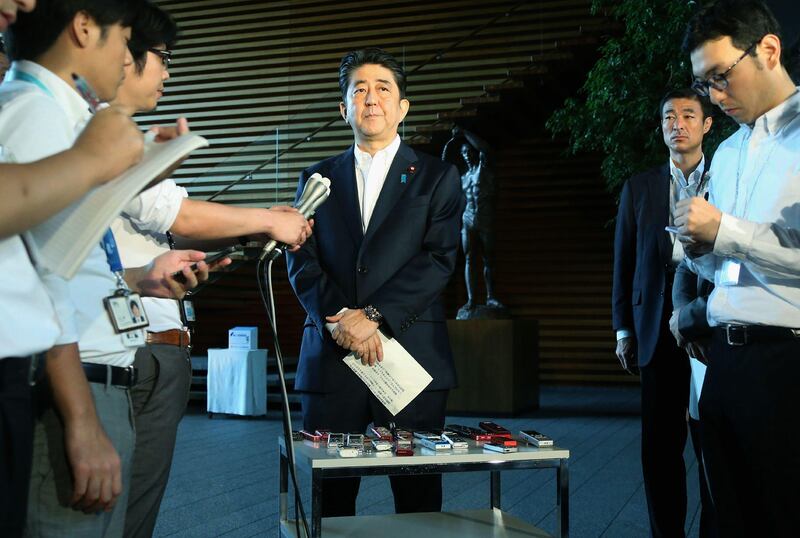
[(86, 92)]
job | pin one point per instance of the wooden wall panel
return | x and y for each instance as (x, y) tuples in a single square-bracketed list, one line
[(248, 74)]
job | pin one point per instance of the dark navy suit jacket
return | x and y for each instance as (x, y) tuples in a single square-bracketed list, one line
[(642, 253), (400, 265)]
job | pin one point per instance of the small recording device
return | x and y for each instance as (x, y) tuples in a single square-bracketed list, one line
[(402, 438), (335, 439), (497, 446), (224, 253), (456, 442), (382, 433), (536, 439), (403, 451), (495, 429), (348, 452), (470, 433), (313, 437), (355, 440), (432, 441), (381, 445)]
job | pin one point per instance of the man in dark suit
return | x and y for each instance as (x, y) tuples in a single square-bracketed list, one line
[(645, 257), (384, 247)]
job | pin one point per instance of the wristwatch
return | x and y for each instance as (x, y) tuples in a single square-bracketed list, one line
[(372, 314)]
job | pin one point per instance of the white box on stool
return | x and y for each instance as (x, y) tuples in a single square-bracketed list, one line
[(243, 338)]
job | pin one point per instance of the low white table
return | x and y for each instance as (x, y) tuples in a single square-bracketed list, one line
[(492, 522), (237, 381)]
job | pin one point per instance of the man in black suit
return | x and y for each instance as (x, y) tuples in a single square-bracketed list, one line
[(384, 247), (645, 257)]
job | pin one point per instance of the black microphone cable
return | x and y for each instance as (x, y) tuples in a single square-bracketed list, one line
[(269, 306)]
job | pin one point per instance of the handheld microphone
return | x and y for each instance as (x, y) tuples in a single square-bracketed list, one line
[(316, 191)]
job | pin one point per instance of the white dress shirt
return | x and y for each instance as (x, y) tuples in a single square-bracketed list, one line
[(371, 172), (38, 120), (681, 188), (138, 244), (756, 184)]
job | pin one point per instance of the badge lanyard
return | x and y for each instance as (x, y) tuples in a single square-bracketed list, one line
[(109, 245)]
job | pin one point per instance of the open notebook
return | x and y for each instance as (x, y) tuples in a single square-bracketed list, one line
[(65, 240)]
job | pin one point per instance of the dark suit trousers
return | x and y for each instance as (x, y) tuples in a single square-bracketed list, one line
[(665, 399), (350, 409), (16, 444), (749, 411)]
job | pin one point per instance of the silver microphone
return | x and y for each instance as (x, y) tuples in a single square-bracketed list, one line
[(315, 192)]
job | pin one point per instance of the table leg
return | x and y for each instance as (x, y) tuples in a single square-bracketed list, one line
[(562, 498), (283, 487), (316, 504), (494, 485)]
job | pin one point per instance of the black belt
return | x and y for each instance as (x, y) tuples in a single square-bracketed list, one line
[(741, 335), (120, 377), (19, 371)]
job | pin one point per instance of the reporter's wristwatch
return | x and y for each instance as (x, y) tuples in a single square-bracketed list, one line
[(372, 314)]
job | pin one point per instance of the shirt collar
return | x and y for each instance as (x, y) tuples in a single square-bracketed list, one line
[(693, 178), (73, 105), (364, 158), (772, 120)]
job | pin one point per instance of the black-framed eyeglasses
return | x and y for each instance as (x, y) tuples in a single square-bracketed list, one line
[(719, 82), (165, 55)]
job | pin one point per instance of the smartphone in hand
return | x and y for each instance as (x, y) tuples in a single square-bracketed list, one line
[(224, 253)]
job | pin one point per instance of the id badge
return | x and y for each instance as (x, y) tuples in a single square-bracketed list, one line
[(729, 273), (188, 311), (126, 311)]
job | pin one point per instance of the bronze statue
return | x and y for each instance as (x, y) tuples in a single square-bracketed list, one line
[(478, 184)]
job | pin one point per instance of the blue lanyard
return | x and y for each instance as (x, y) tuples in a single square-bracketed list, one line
[(109, 246), (15, 74)]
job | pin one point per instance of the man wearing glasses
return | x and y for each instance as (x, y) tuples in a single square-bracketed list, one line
[(645, 257), (746, 239), (159, 399)]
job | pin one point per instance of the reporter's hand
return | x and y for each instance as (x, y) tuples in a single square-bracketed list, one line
[(110, 144), (95, 465), (155, 279), (370, 350), (697, 220), (626, 353), (673, 328), (163, 134), (288, 226), (698, 350), (352, 328)]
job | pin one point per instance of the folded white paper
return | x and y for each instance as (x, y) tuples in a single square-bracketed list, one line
[(396, 380)]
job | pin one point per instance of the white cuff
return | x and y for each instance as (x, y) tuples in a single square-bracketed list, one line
[(734, 237), (624, 333)]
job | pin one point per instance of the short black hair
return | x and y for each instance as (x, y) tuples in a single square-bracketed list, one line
[(353, 60), (685, 93), (152, 27), (744, 21), (34, 33)]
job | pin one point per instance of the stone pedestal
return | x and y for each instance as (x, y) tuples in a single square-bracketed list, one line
[(497, 362)]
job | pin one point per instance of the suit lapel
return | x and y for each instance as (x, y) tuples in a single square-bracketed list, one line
[(393, 188), (346, 194), (659, 193)]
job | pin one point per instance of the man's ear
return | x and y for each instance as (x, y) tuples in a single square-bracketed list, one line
[(81, 29), (707, 124), (404, 106), (770, 49), (343, 111)]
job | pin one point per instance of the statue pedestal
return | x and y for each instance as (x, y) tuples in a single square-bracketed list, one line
[(497, 362)]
